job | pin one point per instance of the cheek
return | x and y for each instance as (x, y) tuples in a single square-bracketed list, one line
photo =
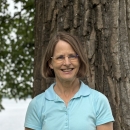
[(54, 66), (78, 65)]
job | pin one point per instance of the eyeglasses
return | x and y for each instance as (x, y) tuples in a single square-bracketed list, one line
[(61, 58)]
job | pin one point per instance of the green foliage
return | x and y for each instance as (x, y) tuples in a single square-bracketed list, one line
[(16, 50)]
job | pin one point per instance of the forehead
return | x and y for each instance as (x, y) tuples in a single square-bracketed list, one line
[(63, 47)]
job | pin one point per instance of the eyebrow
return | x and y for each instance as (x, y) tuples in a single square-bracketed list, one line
[(68, 54)]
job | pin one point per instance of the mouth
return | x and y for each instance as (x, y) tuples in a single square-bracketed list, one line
[(67, 70)]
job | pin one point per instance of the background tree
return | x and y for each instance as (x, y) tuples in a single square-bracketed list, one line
[(16, 49), (104, 29)]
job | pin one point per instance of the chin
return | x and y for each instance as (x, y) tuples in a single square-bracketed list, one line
[(69, 79)]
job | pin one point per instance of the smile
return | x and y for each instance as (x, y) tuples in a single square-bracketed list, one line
[(67, 70)]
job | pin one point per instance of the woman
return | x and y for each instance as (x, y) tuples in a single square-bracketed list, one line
[(68, 103)]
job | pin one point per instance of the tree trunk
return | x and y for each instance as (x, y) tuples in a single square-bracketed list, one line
[(103, 26)]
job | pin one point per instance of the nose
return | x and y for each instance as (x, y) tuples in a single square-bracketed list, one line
[(67, 61)]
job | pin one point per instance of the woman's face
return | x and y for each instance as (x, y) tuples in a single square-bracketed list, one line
[(65, 62)]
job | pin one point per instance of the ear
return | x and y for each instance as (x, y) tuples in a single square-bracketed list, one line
[(50, 65)]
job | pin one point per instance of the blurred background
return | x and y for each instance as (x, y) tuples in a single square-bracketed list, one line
[(16, 61), (12, 118)]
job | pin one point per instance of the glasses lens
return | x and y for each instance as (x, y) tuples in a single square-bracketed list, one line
[(73, 57), (61, 58)]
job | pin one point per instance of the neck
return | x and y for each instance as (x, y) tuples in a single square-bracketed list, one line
[(66, 90)]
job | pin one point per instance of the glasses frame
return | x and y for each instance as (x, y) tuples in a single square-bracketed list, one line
[(71, 59)]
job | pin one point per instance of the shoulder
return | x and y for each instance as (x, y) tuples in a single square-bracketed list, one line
[(94, 94), (100, 105), (40, 99), (98, 96), (100, 101), (37, 103)]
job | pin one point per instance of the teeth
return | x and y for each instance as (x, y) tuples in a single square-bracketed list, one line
[(67, 70)]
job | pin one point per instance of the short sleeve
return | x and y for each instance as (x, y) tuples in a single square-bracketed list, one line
[(103, 110), (32, 119)]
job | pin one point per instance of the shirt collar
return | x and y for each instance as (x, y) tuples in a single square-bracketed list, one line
[(83, 91), (50, 93)]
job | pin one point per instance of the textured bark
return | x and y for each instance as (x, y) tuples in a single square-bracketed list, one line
[(104, 29)]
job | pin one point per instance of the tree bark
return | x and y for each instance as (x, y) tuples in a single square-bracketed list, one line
[(103, 27)]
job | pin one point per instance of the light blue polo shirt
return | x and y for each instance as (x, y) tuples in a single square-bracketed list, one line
[(87, 109)]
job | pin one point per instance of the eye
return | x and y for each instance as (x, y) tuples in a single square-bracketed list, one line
[(73, 56), (61, 57)]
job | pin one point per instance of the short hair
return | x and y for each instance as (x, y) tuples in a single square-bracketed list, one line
[(46, 71)]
